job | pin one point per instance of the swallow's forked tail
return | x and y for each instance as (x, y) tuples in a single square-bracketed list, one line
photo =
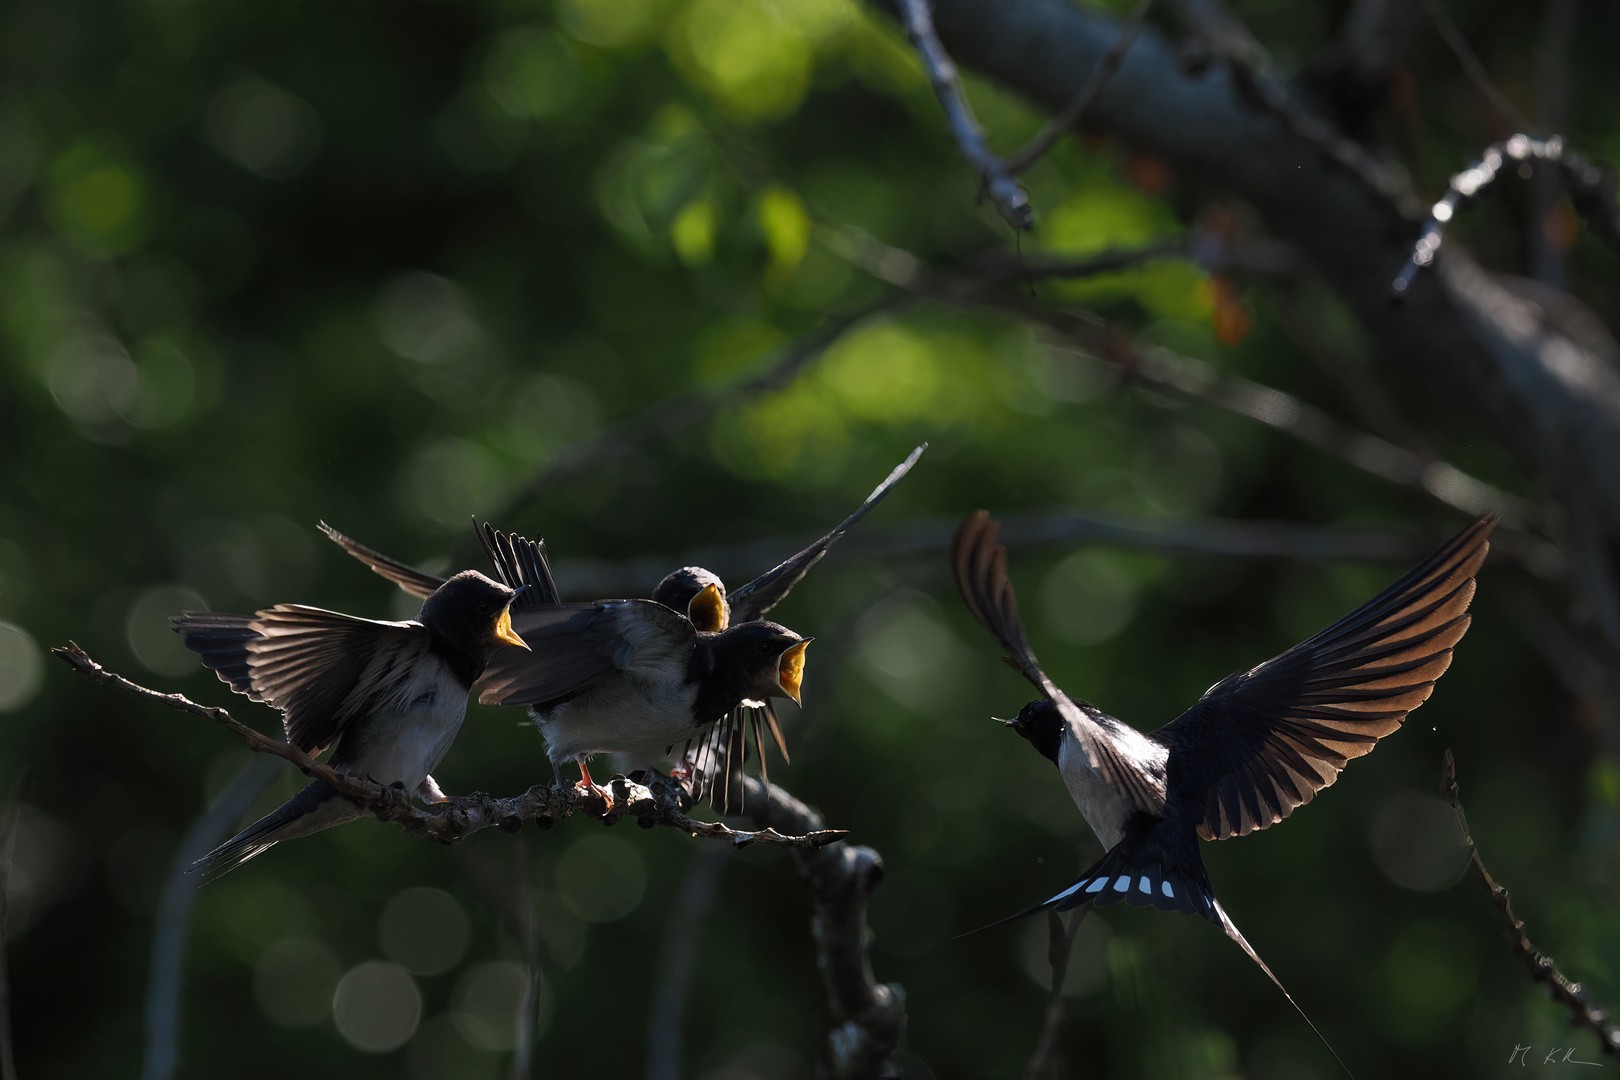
[(1243, 943)]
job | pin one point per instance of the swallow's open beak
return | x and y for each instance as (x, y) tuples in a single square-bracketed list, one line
[(1004, 723), (707, 610), (504, 632), (790, 669)]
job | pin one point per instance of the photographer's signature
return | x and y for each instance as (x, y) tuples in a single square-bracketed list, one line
[(1522, 1055)]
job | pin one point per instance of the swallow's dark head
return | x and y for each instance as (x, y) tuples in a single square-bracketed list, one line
[(470, 615), (697, 594), (760, 660), (1042, 724)]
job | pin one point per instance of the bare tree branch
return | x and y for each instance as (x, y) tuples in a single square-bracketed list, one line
[(659, 801), (1066, 119), (167, 980), (674, 414), (1542, 970), (1197, 379), (1221, 32), (666, 1020), (1592, 190), (8, 838), (1544, 228), (1461, 339), (994, 176), (1060, 946), (870, 1016), (924, 537)]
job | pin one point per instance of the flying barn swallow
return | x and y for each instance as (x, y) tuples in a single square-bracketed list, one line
[(1257, 746), (391, 695)]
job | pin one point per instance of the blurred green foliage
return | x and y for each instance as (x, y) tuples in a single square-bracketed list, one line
[(267, 264)]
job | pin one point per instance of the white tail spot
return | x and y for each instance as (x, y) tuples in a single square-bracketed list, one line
[(1145, 885), (1123, 884), (1167, 890), (1097, 886)]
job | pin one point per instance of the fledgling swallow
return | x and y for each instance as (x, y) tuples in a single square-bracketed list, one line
[(391, 695), (635, 677), (1257, 746)]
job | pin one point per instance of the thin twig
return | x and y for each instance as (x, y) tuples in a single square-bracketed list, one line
[(677, 959), (1591, 189), (1060, 947), (1263, 91), (1474, 68), (674, 414), (1559, 19), (657, 801), (1310, 425), (925, 536), (1559, 988), (1103, 262), (167, 979), (529, 938), (1088, 92), (8, 837), (1197, 379), (1009, 199)]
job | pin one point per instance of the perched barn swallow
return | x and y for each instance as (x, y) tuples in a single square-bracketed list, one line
[(633, 676), (392, 695), (1257, 746)]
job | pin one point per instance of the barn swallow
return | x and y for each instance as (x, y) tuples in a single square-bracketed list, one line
[(392, 695), (634, 676), (1257, 746)]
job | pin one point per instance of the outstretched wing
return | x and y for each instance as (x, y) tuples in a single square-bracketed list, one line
[(754, 599), (221, 640), (1272, 737), (979, 564), (414, 581), (1114, 749), (305, 661), (572, 645)]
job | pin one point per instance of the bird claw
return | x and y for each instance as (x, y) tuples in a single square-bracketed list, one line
[(589, 791)]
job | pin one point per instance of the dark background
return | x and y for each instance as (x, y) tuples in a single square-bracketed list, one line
[(263, 265)]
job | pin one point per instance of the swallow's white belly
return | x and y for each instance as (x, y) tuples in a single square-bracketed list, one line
[(1103, 806), (628, 715), (408, 736)]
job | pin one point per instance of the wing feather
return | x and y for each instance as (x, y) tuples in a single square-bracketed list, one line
[(307, 662), (1113, 749), (573, 645), (416, 582), (1275, 735), (754, 599)]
